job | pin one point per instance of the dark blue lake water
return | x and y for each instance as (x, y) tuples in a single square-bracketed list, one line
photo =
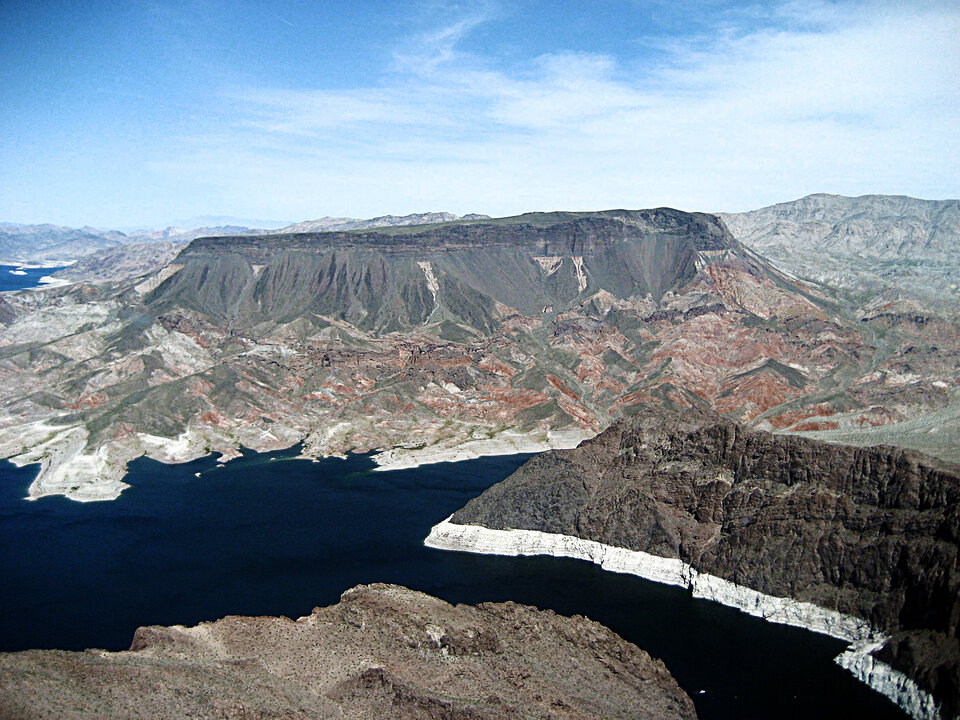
[(11, 279), (267, 534)]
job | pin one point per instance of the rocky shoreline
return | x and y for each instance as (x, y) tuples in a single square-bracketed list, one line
[(69, 468), (402, 458), (446, 336), (863, 639), (859, 543)]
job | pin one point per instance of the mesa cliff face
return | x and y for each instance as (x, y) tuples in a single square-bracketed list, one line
[(872, 533), (383, 651), (455, 273)]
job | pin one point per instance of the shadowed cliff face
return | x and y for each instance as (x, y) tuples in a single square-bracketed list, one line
[(383, 651), (871, 532)]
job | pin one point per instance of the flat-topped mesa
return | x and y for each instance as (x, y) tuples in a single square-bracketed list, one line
[(558, 233), (399, 278), (382, 651), (869, 535)]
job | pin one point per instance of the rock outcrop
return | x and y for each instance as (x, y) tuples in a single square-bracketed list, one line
[(393, 279), (383, 651), (870, 536)]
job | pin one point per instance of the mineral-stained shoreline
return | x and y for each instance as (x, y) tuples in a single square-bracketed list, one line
[(858, 658), (859, 543), (383, 651), (68, 468)]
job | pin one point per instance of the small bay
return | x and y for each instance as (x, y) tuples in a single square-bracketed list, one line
[(14, 277), (269, 534)]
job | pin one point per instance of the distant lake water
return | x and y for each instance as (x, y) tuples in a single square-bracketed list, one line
[(12, 279), (270, 535)]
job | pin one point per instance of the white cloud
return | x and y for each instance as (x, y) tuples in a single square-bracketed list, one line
[(859, 101), (437, 47)]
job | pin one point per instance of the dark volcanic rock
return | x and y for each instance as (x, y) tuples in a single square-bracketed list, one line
[(383, 651), (561, 233), (378, 281), (871, 532)]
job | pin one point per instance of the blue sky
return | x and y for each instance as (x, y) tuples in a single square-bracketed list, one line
[(139, 113)]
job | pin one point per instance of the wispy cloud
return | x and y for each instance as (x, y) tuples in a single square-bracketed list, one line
[(844, 98), (437, 46)]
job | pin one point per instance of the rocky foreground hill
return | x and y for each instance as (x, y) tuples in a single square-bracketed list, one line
[(449, 340), (383, 651), (859, 543)]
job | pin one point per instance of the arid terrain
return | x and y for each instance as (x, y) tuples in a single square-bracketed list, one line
[(383, 651), (452, 340), (473, 336)]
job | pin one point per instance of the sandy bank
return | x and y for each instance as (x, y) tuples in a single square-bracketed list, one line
[(69, 467), (505, 443), (49, 281)]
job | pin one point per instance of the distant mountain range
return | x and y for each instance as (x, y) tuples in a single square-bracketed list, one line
[(878, 226), (56, 245), (52, 244), (147, 252), (331, 224), (880, 248), (877, 247), (224, 220)]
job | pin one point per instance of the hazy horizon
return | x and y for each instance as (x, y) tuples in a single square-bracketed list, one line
[(222, 221)]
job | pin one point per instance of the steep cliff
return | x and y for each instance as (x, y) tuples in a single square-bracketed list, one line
[(397, 278), (872, 533)]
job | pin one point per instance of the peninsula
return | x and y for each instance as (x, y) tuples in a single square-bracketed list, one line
[(858, 543)]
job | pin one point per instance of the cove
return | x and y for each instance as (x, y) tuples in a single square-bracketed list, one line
[(268, 534), (14, 277)]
